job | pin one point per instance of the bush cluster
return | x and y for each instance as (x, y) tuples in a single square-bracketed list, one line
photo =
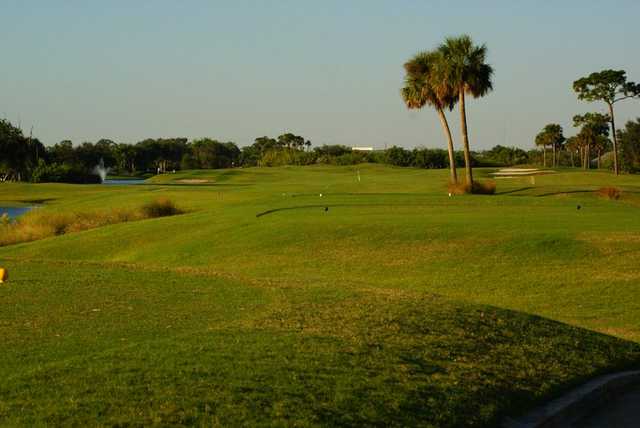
[(487, 187), (609, 193), (161, 207)]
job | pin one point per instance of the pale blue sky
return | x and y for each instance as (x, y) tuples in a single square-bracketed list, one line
[(329, 70)]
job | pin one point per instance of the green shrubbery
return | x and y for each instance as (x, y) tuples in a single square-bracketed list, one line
[(501, 156), (286, 156), (29, 160), (630, 146), (62, 173)]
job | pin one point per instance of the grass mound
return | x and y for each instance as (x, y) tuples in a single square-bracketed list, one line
[(219, 352), (42, 224)]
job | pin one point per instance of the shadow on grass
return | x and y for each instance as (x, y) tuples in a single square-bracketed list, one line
[(38, 201), (522, 189), (566, 192), (370, 358), (327, 207)]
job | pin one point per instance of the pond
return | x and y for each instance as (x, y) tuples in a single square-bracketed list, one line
[(14, 212), (123, 182)]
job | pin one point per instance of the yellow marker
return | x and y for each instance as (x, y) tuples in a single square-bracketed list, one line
[(4, 275)]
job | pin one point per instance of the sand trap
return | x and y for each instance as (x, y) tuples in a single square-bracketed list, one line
[(520, 172), (193, 181)]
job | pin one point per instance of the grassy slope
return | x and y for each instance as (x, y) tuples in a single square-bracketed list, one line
[(372, 312)]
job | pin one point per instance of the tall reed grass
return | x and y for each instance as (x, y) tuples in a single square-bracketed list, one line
[(40, 224)]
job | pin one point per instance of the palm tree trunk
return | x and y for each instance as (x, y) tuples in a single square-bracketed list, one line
[(599, 156), (544, 155), (587, 157), (571, 154), (465, 140), (554, 154), (616, 167), (452, 157)]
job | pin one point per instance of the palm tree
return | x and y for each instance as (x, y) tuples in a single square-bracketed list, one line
[(594, 126), (422, 87), (550, 135), (601, 144), (572, 146), (541, 140), (466, 71)]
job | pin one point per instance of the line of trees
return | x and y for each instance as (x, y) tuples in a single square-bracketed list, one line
[(18, 154), (27, 159), (609, 86), (629, 140), (440, 78), (597, 134)]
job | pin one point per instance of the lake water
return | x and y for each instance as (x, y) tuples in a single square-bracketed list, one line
[(14, 212), (125, 182)]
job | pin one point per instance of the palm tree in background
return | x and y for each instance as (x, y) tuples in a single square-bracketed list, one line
[(601, 144), (423, 86), (551, 135), (466, 71), (541, 140), (573, 146)]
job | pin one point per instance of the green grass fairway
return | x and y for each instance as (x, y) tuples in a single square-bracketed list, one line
[(301, 296)]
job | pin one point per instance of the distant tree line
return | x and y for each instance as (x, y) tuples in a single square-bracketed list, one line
[(27, 159), (591, 146), (19, 155), (597, 142)]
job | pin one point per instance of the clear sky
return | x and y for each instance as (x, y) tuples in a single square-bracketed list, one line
[(330, 70)]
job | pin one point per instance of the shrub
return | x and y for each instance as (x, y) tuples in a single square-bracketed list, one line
[(162, 207), (430, 158), (487, 187), (398, 156), (458, 188), (62, 173), (609, 193), (353, 158), (334, 150), (286, 156), (501, 156)]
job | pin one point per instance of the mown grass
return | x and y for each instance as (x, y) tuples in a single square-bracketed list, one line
[(382, 302)]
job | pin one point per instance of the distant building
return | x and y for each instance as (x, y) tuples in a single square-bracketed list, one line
[(362, 149)]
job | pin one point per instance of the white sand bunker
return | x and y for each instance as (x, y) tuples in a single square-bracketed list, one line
[(520, 172)]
